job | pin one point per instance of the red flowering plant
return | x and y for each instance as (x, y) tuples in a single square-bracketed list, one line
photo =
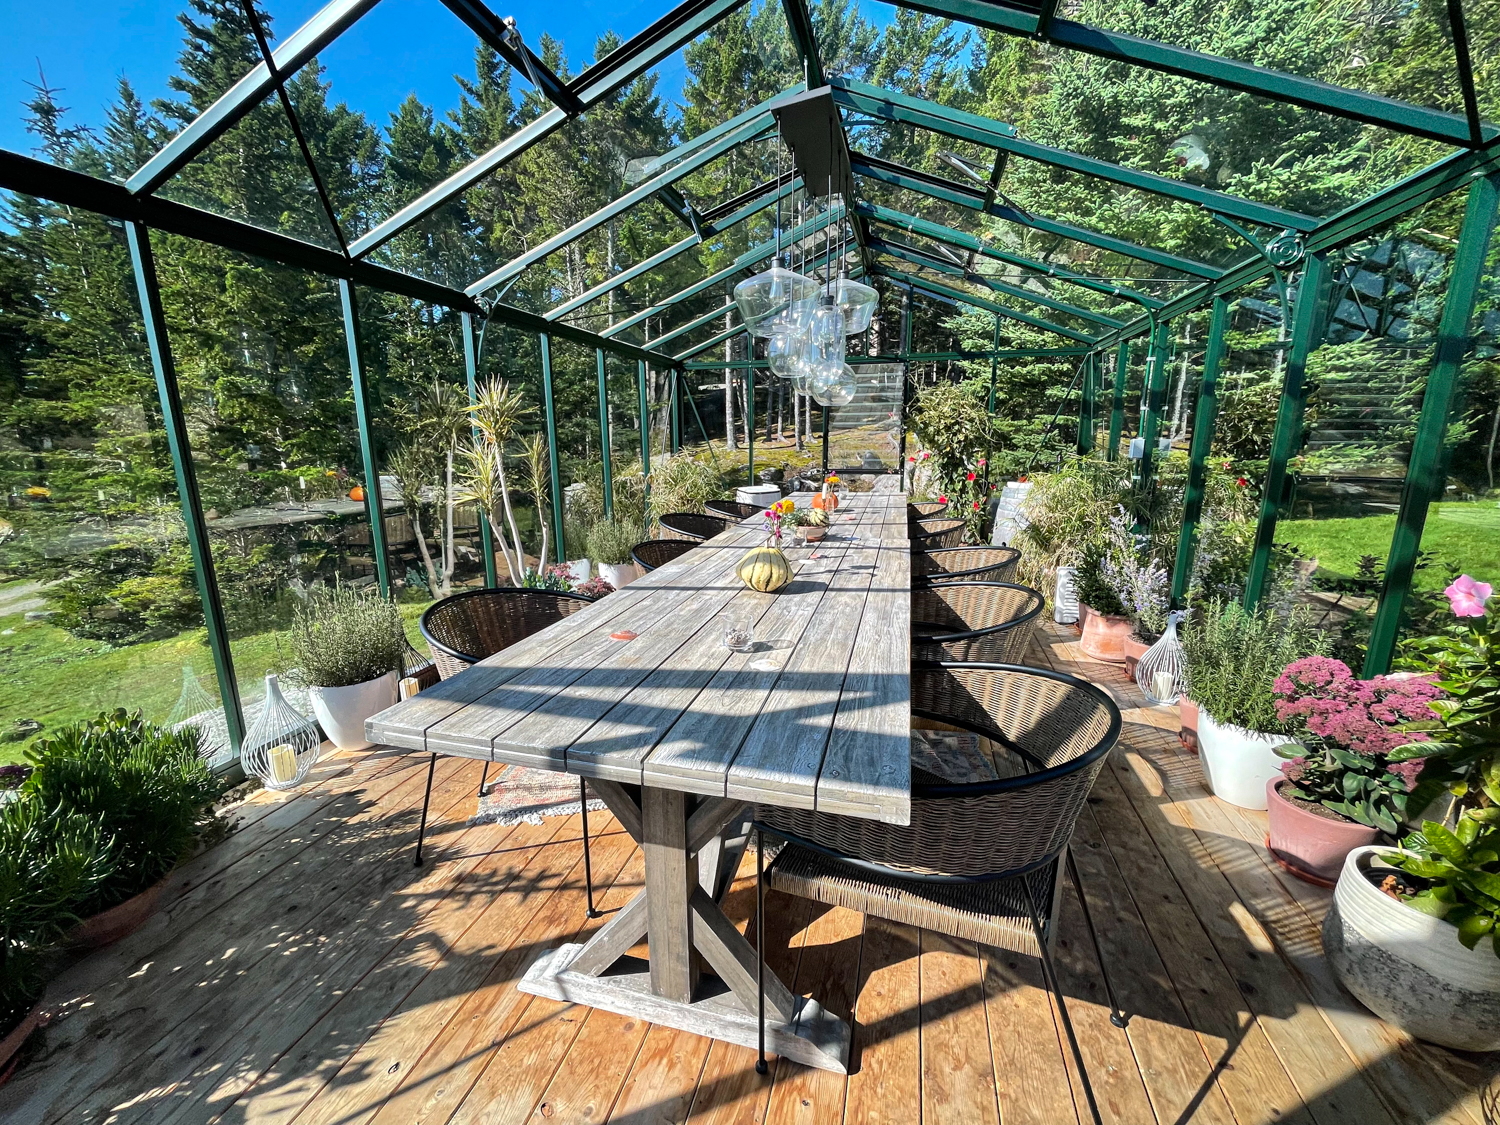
[(1357, 758)]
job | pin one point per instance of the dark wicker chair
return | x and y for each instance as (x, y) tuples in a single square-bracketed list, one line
[(980, 860), (658, 552), (733, 509), (464, 629), (692, 525), (931, 534), (923, 509), (983, 621), (973, 564)]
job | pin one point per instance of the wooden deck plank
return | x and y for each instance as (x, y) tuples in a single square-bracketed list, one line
[(1031, 1079), (955, 1035), (886, 1089)]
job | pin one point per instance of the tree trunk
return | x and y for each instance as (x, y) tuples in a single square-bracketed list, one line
[(1490, 458), (729, 438), (414, 514), (448, 559)]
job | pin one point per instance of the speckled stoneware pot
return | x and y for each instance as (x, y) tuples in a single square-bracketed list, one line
[(1409, 968)]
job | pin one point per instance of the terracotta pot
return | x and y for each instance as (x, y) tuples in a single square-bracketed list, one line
[(118, 921), (1187, 712), (813, 532), (16, 1037), (1135, 648), (1104, 634), (1310, 846)]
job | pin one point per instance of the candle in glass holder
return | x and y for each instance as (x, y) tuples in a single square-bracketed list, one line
[(283, 761)]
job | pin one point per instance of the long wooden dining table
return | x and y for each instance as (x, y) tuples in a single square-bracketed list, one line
[(681, 737)]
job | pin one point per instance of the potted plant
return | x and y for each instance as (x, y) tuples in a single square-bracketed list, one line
[(1413, 933), (594, 587), (1233, 659), (812, 521), (348, 646), (1101, 613), (1355, 772), (609, 543)]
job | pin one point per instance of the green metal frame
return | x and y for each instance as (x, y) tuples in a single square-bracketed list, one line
[(645, 413), (179, 446), (606, 450), (1308, 324), (938, 288), (364, 419), (1086, 401), (1151, 405), (1117, 400), (1424, 470), (549, 416), (471, 373), (1205, 413)]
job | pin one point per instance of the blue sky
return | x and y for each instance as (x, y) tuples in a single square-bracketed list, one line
[(400, 47)]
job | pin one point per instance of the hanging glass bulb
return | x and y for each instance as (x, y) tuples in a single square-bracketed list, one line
[(834, 390), (768, 295), (826, 325), (856, 301), (781, 351)]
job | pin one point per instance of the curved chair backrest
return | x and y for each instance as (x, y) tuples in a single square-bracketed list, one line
[(733, 509), (1056, 730), (986, 621), (692, 525), (923, 509), (464, 629), (958, 564), (658, 552), (939, 531)]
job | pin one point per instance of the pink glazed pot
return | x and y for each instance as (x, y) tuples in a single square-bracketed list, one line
[(1187, 711), (1310, 846), (1104, 635), (1134, 648)]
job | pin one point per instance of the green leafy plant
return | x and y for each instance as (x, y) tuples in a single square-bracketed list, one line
[(609, 541), (342, 636), (1233, 658), (681, 483), (553, 578), (1089, 582), (1461, 872)]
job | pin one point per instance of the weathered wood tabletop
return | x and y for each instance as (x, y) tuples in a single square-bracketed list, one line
[(817, 716), (639, 690)]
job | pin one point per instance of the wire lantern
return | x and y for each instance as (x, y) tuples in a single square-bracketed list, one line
[(196, 708), (282, 745), (1159, 673)]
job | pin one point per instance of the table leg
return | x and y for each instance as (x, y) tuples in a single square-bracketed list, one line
[(671, 877)]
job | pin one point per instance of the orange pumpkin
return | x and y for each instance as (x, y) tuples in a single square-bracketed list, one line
[(357, 493), (825, 501)]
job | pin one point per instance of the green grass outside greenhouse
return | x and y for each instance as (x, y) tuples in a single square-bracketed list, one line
[(1465, 534)]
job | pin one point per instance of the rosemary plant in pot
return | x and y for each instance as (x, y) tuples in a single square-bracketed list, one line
[(348, 646), (1414, 933), (1233, 659), (609, 543), (1354, 773)]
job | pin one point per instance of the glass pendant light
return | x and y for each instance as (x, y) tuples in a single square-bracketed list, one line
[(856, 301), (767, 295), (834, 389), (781, 351)]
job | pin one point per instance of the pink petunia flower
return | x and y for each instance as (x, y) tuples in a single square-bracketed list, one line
[(1467, 597)]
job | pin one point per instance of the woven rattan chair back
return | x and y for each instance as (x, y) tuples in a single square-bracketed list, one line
[(924, 509), (692, 525), (969, 621), (464, 629), (971, 564), (931, 534), (1060, 727), (731, 509), (659, 552)]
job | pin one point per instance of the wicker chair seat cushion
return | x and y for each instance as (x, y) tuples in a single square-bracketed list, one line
[(994, 912), (930, 534), (974, 564), (658, 552), (731, 508), (691, 525), (983, 622), (467, 627)]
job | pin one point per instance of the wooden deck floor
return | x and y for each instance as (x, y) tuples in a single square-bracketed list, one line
[(303, 971)]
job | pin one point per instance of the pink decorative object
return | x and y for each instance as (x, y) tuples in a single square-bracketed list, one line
[(1467, 597), (1358, 715), (1310, 846)]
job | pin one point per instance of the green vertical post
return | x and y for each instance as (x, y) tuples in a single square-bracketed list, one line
[(605, 450), (676, 408), (471, 370), (1086, 404), (1151, 404), (1203, 436), (825, 440), (644, 407), (1424, 469), (374, 502), (1117, 406), (1307, 328), (989, 409), (175, 424), (549, 408), (750, 422), (905, 351)]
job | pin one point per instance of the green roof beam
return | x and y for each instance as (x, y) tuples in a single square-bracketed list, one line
[(941, 290)]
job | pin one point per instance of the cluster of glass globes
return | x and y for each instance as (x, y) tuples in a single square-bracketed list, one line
[(805, 323)]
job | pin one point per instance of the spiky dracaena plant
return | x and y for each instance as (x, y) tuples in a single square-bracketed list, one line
[(498, 413), (537, 478)]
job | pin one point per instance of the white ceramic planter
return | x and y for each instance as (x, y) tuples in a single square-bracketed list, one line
[(619, 575), (1237, 762), (342, 711), (578, 570), (1409, 968)]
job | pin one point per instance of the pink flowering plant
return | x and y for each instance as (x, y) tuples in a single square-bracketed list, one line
[(1357, 757)]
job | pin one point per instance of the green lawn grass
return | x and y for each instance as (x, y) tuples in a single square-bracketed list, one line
[(1467, 534)]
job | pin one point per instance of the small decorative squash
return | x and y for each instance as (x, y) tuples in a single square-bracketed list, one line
[(357, 493), (818, 517), (764, 568), (824, 501)]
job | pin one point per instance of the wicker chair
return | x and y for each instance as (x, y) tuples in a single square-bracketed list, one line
[(935, 533), (658, 552), (692, 525), (980, 860), (733, 509), (973, 564), (464, 629), (987, 621), (923, 509)]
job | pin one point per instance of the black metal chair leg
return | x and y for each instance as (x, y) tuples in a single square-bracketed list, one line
[(588, 868), (426, 800), (1050, 973), (484, 776), (760, 948), (1117, 1014)]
